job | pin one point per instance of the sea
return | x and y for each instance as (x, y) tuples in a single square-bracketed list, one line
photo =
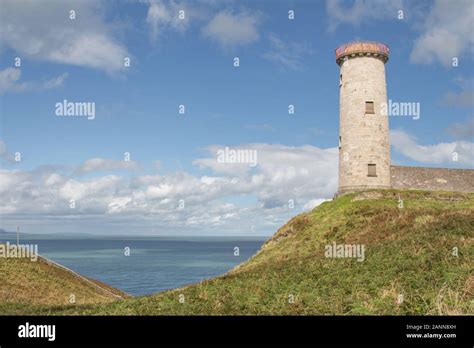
[(146, 265)]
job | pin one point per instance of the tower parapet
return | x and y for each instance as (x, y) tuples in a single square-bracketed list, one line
[(360, 49)]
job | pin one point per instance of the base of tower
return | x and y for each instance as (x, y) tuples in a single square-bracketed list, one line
[(350, 189)]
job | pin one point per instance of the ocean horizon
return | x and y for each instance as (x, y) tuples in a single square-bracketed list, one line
[(144, 265)]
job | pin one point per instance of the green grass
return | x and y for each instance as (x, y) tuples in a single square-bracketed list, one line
[(408, 252), (25, 283)]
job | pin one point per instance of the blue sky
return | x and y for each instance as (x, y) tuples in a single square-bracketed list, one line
[(189, 61)]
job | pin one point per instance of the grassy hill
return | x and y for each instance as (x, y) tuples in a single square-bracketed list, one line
[(27, 283), (409, 266)]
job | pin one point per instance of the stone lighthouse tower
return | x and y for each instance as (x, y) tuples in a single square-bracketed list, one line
[(364, 148)]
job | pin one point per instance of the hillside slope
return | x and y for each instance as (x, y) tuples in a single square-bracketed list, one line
[(409, 266), (45, 283)]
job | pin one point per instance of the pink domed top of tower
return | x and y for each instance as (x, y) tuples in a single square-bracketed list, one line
[(362, 48)]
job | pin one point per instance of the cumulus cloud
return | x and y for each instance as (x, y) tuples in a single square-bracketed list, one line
[(360, 10), (446, 33), (231, 29), (180, 201), (407, 145), (282, 172), (47, 33), (164, 15), (92, 188)]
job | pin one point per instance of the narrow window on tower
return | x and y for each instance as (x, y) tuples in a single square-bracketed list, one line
[(340, 80), (339, 142), (372, 170), (369, 107)]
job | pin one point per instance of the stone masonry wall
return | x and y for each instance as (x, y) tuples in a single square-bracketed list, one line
[(364, 138), (438, 179)]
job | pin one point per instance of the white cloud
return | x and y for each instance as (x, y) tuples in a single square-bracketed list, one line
[(313, 203), (42, 32), (282, 172), (406, 144), (118, 205), (10, 179), (162, 15), (447, 33), (55, 82), (104, 164), (361, 10), (233, 29), (10, 82), (93, 188), (251, 201), (287, 55)]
